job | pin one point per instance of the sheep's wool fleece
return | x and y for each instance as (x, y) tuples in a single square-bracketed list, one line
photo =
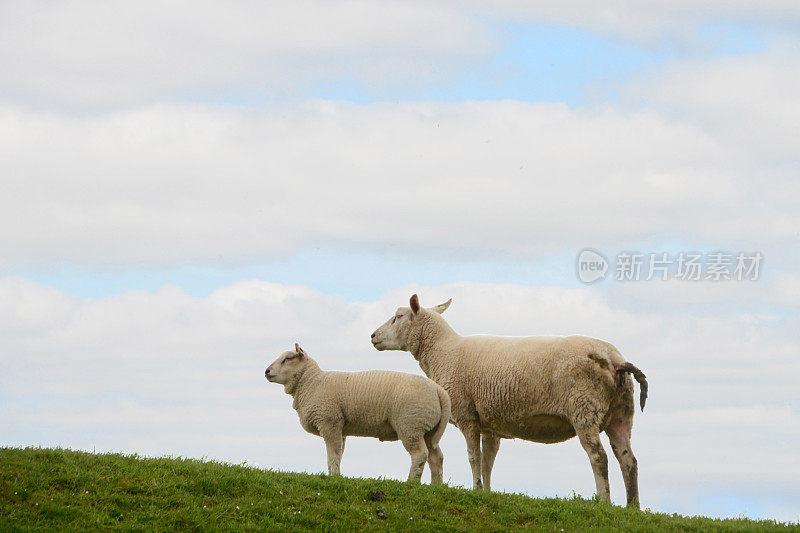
[(372, 403), (528, 387)]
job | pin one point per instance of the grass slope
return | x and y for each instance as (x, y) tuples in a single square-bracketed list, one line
[(55, 489)]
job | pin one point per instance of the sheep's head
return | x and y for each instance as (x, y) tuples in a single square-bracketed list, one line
[(286, 368), (404, 330)]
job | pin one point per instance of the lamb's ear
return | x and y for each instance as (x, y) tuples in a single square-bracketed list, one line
[(299, 350), (441, 308), (414, 304)]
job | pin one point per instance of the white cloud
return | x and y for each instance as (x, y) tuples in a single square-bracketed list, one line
[(164, 372), (650, 20), (787, 290), (91, 54), (749, 101), (100, 54), (181, 183)]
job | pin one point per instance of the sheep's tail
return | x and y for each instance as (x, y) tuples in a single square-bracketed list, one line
[(436, 433), (639, 376)]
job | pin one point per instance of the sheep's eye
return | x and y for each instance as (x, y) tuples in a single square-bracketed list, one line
[(283, 360)]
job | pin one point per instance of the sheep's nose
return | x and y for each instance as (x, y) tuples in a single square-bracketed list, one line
[(266, 373), (373, 335)]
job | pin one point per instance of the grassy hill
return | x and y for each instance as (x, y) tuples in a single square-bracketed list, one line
[(62, 489)]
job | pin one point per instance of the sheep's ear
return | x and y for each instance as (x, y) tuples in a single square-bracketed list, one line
[(414, 304), (299, 350), (441, 308)]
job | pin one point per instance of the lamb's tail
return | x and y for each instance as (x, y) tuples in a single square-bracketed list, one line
[(436, 433), (639, 376)]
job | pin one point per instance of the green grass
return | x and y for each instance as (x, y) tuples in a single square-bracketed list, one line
[(55, 489)]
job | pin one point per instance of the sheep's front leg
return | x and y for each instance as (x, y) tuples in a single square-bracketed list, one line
[(490, 444), (334, 442), (472, 434)]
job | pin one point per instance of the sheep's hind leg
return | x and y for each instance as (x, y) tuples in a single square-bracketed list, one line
[(490, 444), (472, 434), (619, 433), (435, 461), (590, 440), (415, 446)]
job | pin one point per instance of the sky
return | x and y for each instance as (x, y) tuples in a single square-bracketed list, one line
[(186, 190)]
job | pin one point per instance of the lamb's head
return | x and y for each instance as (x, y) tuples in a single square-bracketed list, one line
[(404, 330), (287, 368)]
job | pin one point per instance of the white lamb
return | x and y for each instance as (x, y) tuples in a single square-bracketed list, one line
[(542, 389), (381, 404)]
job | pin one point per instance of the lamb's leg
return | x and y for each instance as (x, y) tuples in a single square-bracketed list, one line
[(619, 433), (435, 461), (590, 440), (489, 446), (472, 434), (334, 442), (415, 446)]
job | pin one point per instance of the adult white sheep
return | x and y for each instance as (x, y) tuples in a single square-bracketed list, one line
[(381, 404), (542, 389)]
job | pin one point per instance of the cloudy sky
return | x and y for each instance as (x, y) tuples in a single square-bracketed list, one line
[(186, 190)]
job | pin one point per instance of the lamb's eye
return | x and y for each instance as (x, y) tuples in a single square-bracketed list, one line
[(283, 360)]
